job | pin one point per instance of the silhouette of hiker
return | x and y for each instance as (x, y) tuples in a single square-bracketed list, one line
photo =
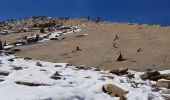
[(98, 19), (88, 18)]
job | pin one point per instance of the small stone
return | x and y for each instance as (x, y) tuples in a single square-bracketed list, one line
[(27, 58), (17, 68), (11, 60), (56, 76), (39, 64), (58, 65)]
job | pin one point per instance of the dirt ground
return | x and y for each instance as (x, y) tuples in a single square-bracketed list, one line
[(142, 46)]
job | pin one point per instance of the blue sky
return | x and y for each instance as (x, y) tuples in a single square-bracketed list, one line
[(139, 11)]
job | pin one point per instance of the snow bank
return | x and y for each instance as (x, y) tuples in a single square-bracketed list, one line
[(75, 84)]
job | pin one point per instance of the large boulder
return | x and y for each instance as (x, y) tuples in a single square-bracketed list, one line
[(149, 74), (113, 90), (164, 83)]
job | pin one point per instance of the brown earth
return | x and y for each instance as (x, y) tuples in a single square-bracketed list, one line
[(143, 46)]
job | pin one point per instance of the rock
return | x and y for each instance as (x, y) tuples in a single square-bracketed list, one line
[(84, 67), (113, 90), (55, 38), (167, 97), (9, 52), (31, 83), (120, 58), (17, 68), (149, 74), (56, 76), (16, 50), (1, 46), (4, 73), (27, 58), (130, 75), (119, 71), (58, 65), (68, 65), (43, 70), (1, 80), (39, 64), (78, 48), (161, 76), (11, 60), (164, 83)]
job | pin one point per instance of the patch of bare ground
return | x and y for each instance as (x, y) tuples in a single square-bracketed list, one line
[(141, 46)]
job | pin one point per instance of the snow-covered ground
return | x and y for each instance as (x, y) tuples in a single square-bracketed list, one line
[(75, 84)]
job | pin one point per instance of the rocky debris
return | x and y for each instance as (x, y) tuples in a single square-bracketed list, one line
[(1, 46), (11, 60), (54, 38), (84, 67), (130, 75), (110, 77), (4, 73), (38, 64), (167, 97), (149, 75), (139, 50), (9, 52), (120, 58), (58, 65), (81, 35), (119, 71), (27, 58), (56, 76), (116, 38), (16, 50), (164, 83), (31, 83), (67, 65), (42, 30), (17, 68), (1, 80), (113, 90), (20, 42), (78, 48), (114, 45), (43, 70)]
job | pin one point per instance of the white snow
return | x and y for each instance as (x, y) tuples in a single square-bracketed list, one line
[(75, 84)]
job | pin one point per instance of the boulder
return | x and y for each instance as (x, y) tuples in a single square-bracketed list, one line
[(4, 73), (119, 71), (164, 83), (39, 64), (149, 74), (113, 90)]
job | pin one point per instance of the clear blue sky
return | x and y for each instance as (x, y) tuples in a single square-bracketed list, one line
[(139, 11)]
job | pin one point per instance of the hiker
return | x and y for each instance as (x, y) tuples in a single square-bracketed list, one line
[(88, 18), (98, 19)]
